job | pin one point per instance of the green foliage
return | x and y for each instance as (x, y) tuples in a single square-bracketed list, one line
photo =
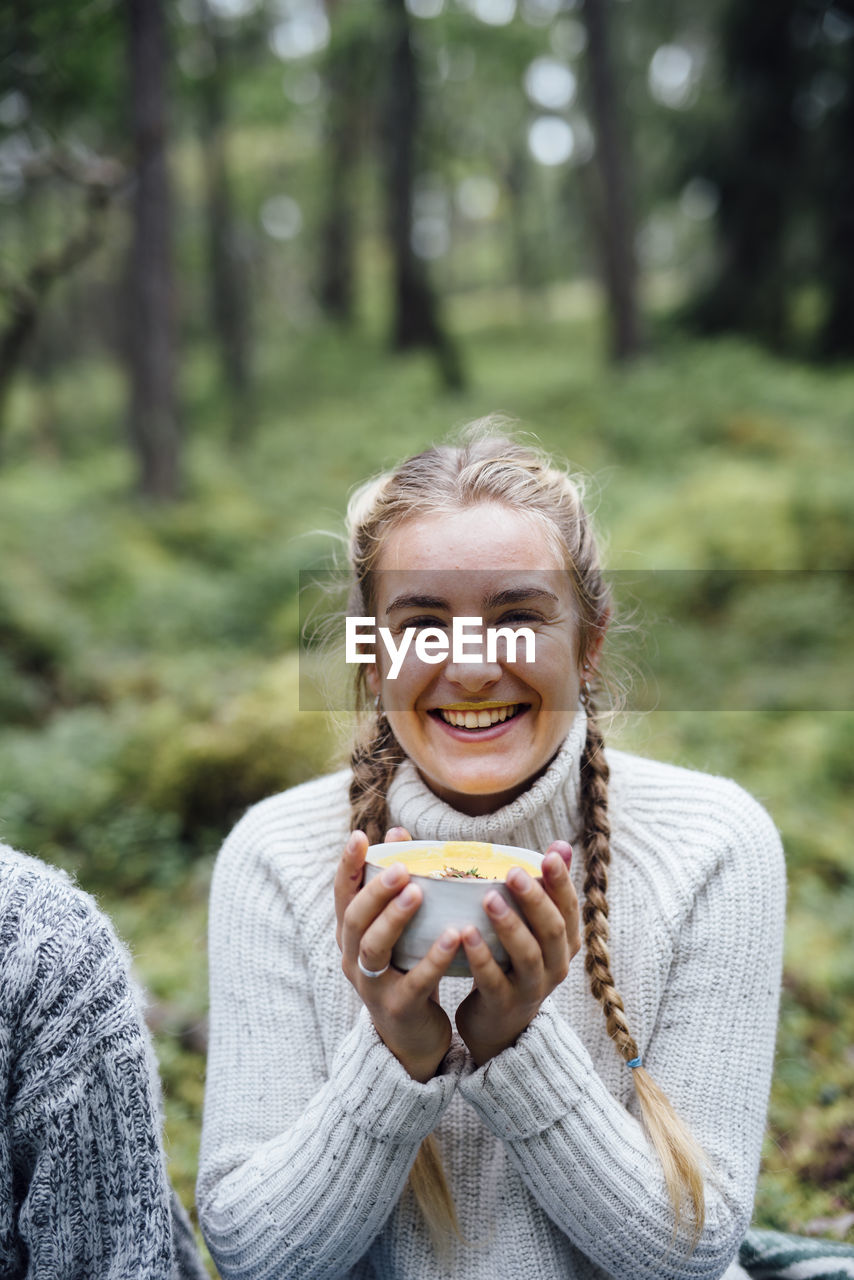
[(132, 793), (68, 62), (150, 682)]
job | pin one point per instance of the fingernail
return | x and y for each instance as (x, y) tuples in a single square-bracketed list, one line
[(449, 940), (408, 896), (351, 842), (495, 904), (472, 936), (394, 833), (518, 879), (553, 863), (563, 848), (393, 875)]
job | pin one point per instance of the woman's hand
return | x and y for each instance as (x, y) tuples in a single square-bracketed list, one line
[(501, 1005), (403, 1006)]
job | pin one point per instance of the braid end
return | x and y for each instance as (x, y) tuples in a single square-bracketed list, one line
[(681, 1156)]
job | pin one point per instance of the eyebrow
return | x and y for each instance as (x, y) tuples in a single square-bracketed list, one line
[(514, 595), (417, 602), (495, 600)]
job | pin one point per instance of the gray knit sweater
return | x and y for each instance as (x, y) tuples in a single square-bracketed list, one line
[(311, 1125), (83, 1187)]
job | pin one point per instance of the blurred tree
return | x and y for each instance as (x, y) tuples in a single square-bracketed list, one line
[(349, 66), (753, 158), (25, 296), (835, 180), (481, 179), (416, 321), (55, 68), (778, 151), (517, 179), (229, 302), (153, 415), (614, 224)]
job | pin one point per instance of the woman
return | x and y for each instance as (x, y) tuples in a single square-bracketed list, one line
[(364, 1122), (83, 1188)]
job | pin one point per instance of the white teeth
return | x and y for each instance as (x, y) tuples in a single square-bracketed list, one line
[(479, 719)]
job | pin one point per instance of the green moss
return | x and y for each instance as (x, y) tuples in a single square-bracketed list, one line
[(149, 690)]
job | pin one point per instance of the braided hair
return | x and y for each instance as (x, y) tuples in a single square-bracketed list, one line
[(490, 467), (680, 1154)]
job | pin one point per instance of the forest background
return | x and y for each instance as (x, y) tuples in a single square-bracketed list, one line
[(251, 251)]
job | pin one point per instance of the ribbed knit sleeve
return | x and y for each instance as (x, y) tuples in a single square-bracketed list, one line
[(580, 1152), (86, 1193), (305, 1147)]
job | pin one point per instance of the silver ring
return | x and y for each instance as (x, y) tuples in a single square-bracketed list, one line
[(370, 973)]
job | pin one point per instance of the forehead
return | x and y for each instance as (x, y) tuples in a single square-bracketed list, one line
[(487, 536), (466, 558)]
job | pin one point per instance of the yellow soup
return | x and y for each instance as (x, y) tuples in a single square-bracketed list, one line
[(454, 860)]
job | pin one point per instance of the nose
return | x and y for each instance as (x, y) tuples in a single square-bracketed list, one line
[(473, 677)]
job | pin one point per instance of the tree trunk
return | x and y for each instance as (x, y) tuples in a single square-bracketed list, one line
[(754, 161), (346, 85), (516, 183), (336, 286), (416, 321), (836, 340), (228, 295), (153, 416), (615, 224)]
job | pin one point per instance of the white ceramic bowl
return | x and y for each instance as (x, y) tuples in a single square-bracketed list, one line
[(452, 902)]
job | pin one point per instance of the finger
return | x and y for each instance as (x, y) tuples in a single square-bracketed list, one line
[(564, 849), (378, 940), (348, 876), (526, 957), (422, 980), (543, 915), (487, 973), (561, 890), (367, 905), (395, 834)]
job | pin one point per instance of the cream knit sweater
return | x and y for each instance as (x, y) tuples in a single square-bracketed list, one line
[(311, 1125)]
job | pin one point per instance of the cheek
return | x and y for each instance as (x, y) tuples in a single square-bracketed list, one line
[(402, 692), (412, 678), (554, 675)]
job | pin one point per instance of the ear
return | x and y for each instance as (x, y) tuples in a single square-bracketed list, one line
[(372, 679), (597, 639)]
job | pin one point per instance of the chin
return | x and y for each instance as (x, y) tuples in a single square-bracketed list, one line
[(480, 786), (477, 796)]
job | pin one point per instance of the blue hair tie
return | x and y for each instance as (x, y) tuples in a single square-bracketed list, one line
[(635, 1062)]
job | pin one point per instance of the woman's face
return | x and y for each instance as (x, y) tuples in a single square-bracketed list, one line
[(494, 563)]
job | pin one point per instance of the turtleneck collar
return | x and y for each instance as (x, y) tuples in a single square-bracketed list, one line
[(547, 811)]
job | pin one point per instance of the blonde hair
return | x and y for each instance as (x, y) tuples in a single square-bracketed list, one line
[(490, 467)]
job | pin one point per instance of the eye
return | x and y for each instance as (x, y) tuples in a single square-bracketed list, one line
[(419, 624), (520, 618)]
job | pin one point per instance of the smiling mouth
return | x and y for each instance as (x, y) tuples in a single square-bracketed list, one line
[(478, 717)]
